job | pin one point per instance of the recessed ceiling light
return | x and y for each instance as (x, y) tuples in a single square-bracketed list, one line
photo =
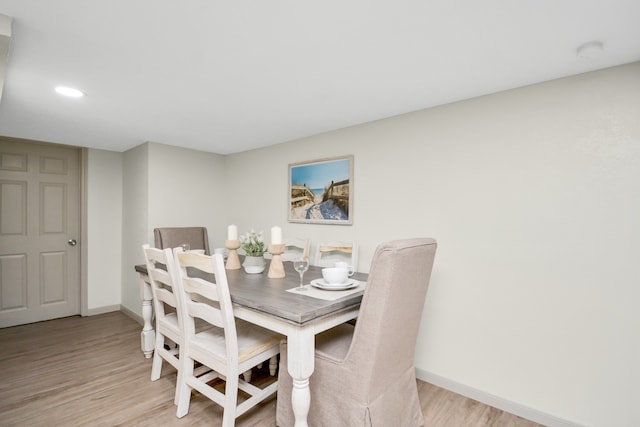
[(69, 91)]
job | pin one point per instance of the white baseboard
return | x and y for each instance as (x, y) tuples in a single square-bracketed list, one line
[(495, 401), (102, 310), (132, 314), (111, 308)]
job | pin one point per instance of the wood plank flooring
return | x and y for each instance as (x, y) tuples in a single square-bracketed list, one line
[(90, 372)]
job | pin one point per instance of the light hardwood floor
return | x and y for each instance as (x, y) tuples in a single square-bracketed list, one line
[(90, 372)]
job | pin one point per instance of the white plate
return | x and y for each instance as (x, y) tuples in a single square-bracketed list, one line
[(322, 284)]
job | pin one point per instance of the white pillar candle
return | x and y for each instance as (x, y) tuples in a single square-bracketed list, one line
[(276, 235), (232, 232)]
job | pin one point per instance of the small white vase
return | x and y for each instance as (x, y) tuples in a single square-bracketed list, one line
[(254, 264)]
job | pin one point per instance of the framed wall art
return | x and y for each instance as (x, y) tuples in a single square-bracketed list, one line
[(321, 191)]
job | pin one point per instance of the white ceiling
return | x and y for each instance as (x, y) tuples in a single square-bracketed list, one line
[(229, 76)]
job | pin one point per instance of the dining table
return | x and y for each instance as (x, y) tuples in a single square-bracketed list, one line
[(276, 304)]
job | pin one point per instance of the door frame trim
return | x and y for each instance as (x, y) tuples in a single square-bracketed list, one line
[(84, 255)]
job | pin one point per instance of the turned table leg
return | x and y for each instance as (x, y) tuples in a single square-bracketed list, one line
[(301, 349), (148, 334)]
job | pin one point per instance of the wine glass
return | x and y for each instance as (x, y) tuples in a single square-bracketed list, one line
[(301, 265)]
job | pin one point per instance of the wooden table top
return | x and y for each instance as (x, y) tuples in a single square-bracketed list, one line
[(261, 293)]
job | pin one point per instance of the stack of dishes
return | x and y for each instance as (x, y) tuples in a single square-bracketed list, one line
[(323, 284)]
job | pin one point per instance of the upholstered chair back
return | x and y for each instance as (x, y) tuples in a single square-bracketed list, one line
[(173, 237)]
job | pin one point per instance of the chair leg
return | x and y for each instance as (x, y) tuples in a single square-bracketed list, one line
[(183, 390), (247, 375), (230, 401), (156, 366), (179, 380), (273, 365)]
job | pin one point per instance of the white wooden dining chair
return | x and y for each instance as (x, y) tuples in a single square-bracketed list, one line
[(295, 248), (230, 347), (328, 253), (161, 270)]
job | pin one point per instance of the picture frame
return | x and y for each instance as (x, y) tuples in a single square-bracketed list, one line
[(321, 191)]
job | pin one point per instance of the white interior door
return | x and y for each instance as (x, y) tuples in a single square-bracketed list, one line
[(39, 232)]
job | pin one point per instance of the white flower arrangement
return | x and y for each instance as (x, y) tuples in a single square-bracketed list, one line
[(252, 243)]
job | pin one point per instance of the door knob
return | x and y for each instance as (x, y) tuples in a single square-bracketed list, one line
[(72, 242)]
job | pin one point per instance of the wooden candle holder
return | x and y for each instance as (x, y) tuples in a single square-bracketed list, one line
[(276, 268), (233, 261)]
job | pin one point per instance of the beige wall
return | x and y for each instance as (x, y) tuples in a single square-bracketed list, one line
[(104, 229), (135, 221), (191, 195), (534, 197)]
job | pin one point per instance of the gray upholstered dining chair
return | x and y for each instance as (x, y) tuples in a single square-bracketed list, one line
[(365, 375), (172, 237)]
